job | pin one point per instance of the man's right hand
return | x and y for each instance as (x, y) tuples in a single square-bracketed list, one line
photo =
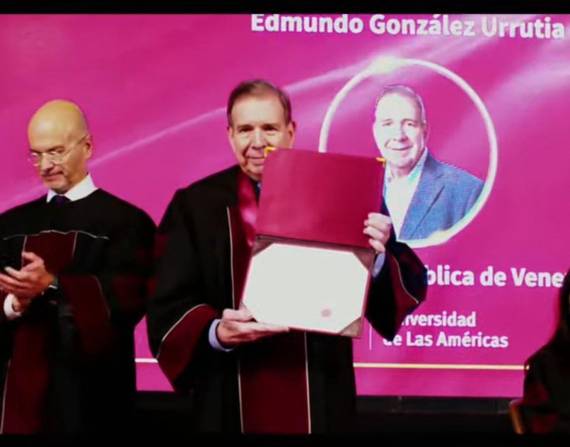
[(238, 326), (27, 283)]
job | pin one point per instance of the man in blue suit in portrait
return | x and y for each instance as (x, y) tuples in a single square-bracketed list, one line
[(422, 195)]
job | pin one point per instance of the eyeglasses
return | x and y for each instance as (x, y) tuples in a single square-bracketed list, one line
[(56, 156)]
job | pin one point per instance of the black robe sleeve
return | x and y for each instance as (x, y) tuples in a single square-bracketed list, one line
[(178, 316), (397, 290), (5, 260)]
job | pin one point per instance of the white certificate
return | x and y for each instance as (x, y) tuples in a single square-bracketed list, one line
[(307, 288)]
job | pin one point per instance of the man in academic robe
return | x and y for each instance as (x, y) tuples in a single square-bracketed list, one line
[(72, 289), (246, 376)]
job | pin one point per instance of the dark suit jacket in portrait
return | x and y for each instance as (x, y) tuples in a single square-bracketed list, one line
[(444, 195)]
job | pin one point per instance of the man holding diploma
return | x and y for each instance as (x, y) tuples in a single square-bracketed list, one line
[(247, 376)]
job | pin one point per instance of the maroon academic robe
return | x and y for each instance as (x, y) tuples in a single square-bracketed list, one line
[(67, 364), (293, 383)]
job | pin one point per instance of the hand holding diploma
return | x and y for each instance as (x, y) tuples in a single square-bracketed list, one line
[(378, 227), (238, 326)]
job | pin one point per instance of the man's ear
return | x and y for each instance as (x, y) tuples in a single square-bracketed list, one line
[(426, 130), (291, 130), (375, 134), (230, 132), (89, 145)]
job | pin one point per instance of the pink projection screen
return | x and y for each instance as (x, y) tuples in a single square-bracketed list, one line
[(496, 89)]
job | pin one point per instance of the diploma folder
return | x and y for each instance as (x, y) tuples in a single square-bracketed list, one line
[(311, 262)]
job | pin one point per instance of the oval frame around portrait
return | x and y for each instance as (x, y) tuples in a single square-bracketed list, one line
[(388, 64)]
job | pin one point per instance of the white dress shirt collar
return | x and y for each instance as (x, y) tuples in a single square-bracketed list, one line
[(79, 191)]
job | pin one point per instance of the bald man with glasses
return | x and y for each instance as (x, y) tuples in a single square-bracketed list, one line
[(72, 289)]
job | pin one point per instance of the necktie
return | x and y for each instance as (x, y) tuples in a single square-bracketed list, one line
[(59, 199), (256, 189)]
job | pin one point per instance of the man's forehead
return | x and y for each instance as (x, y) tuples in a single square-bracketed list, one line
[(48, 136), (263, 104), (396, 103), (46, 141)]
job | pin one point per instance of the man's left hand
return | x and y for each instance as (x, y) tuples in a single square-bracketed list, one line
[(28, 282), (378, 227)]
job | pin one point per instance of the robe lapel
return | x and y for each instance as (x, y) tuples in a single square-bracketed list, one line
[(273, 373)]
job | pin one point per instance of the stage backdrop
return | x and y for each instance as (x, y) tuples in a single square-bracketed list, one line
[(496, 91)]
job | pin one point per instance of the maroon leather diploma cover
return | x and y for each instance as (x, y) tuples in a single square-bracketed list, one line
[(311, 261)]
